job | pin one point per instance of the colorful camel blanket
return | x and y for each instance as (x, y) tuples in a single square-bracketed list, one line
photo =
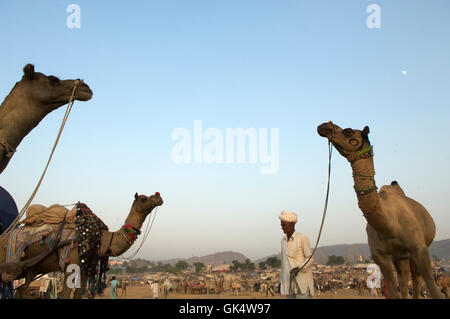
[(85, 234), (21, 238)]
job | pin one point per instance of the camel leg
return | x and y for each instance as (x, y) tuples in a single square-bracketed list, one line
[(416, 279), (67, 291), (388, 273), (65, 294), (69, 283), (446, 292), (80, 291), (422, 260), (402, 267)]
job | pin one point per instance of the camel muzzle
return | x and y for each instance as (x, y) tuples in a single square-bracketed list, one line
[(324, 129), (83, 92)]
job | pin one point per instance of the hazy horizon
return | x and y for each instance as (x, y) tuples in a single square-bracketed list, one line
[(252, 259), (160, 70)]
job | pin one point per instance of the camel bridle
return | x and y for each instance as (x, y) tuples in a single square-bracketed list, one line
[(362, 153)]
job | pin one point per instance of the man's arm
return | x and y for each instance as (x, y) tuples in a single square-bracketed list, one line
[(304, 246), (307, 253)]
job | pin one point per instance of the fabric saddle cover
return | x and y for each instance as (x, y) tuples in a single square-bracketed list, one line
[(25, 236), (37, 215)]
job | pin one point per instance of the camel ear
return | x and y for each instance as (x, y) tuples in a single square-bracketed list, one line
[(28, 71), (136, 196), (366, 131)]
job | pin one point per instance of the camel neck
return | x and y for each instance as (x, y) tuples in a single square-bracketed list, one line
[(18, 116), (366, 193), (364, 181), (119, 242), (134, 219)]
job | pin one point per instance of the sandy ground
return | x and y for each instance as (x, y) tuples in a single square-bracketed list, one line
[(145, 292)]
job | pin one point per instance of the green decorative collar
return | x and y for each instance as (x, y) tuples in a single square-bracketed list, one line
[(363, 153)]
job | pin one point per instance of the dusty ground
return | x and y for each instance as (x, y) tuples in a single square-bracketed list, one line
[(145, 292)]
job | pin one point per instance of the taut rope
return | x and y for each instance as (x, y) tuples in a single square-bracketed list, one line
[(330, 151), (22, 212)]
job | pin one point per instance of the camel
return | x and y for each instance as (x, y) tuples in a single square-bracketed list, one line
[(399, 229), (123, 284), (443, 283), (362, 287), (112, 244), (30, 100)]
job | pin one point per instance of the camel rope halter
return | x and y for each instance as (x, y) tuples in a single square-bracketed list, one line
[(22, 212)]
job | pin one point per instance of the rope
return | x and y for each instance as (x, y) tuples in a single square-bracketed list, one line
[(144, 238), (330, 151), (22, 212)]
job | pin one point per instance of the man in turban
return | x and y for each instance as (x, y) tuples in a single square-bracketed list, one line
[(296, 276)]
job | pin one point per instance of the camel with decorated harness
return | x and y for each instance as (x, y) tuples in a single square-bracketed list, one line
[(399, 229), (80, 241)]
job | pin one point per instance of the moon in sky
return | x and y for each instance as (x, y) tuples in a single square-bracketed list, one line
[(404, 72)]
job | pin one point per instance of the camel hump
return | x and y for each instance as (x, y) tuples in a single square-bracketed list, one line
[(393, 188), (397, 188)]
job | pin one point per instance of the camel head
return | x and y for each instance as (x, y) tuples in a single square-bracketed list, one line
[(144, 205), (50, 91), (347, 141)]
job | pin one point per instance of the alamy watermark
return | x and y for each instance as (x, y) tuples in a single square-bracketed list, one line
[(373, 21), (74, 19), (74, 279), (229, 146)]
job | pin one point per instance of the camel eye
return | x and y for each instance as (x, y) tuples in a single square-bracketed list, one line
[(353, 142), (348, 132)]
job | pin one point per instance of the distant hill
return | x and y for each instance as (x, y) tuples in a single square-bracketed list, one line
[(441, 249), (351, 252), (225, 257)]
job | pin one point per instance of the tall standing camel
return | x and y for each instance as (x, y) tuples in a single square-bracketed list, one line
[(399, 229), (112, 244), (30, 100)]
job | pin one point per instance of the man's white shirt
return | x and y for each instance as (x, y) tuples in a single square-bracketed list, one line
[(294, 253)]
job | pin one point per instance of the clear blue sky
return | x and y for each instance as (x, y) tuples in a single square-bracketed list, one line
[(155, 66)]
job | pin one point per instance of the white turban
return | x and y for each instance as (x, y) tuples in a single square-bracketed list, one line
[(289, 217)]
